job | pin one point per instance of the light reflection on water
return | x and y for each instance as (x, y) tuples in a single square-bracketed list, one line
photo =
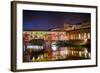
[(72, 53), (62, 53)]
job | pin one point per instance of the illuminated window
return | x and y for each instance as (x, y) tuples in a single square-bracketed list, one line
[(79, 36), (88, 35), (84, 35), (71, 36)]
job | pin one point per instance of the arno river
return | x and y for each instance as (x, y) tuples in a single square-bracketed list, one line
[(55, 53)]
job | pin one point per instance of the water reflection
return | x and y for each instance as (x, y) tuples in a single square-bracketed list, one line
[(71, 53), (56, 53)]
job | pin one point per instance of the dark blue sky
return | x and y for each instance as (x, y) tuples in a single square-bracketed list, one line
[(46, 20)]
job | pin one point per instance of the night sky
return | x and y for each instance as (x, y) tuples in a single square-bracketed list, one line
[(47, 20)]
